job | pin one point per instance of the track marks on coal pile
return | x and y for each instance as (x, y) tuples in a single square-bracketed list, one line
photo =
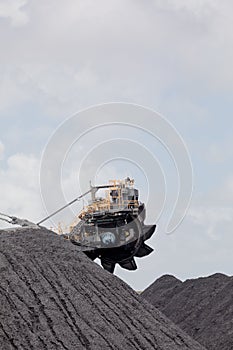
[(90, 294), (36, 306), (65, 301), (146, 340), (17, 303), (111, 319), (8, 338), (61, 304), (69, 309), (111, 314), (117, 311), (142, 339)]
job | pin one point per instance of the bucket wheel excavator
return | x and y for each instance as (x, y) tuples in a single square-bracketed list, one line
[(110, 228)]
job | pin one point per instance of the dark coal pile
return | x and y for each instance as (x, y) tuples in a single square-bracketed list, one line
[(53, 297), (202, 307)]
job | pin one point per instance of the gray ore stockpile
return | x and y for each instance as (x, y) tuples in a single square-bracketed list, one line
[(54, 297), (202, 307)]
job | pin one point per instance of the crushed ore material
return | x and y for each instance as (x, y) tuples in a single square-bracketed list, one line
[(202, 307), (53, 297)]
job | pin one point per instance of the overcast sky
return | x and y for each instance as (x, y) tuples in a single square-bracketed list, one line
[(172, 56)]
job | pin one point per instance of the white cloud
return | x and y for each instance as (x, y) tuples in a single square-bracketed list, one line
[(196, 7), (1, 150), (85, 53), (229, 186), (14, 88), (220, 152), (210, 218), (19, 187), (12, 9), (213, 211)]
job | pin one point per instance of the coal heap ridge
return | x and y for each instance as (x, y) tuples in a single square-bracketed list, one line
[(53, 297), (202, 307)]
